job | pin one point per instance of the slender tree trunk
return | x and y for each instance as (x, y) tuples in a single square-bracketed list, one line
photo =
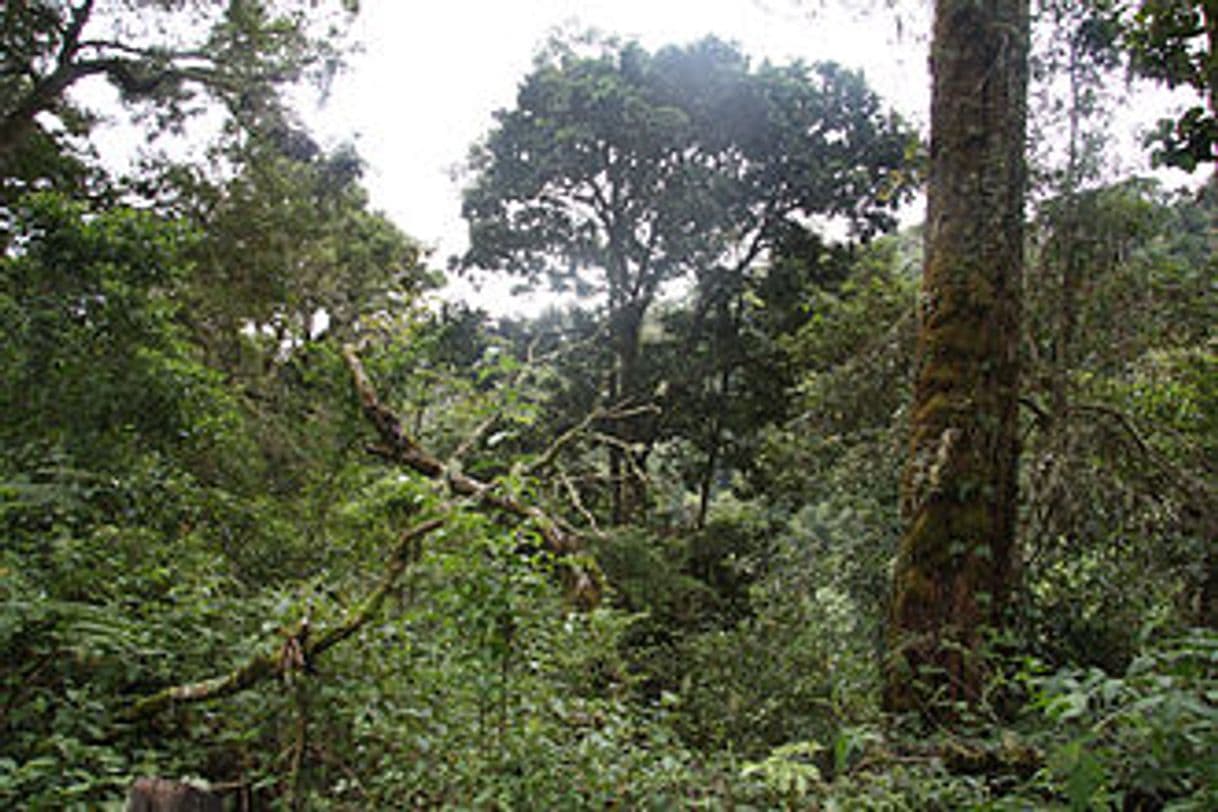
[(958, 494), (1208, 614), (716, 444), (1205, 521), (1208, 609), (624, 462), (1071, 263)]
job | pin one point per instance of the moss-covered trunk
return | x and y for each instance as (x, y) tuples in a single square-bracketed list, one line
[(958, 499)]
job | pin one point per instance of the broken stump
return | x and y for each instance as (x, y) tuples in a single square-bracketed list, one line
[(163, 795)]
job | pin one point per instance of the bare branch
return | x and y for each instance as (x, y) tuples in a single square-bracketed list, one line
[(271, 663), (566, 438), (577, 502), (71, 35), (471, 440), (583, 584), (570, 435), (617, 442), (145, 53)]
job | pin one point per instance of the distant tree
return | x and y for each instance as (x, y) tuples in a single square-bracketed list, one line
[(620, 170), (725, 361), (955, 559)]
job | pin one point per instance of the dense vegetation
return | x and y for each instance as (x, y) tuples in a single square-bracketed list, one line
[(275, 520)]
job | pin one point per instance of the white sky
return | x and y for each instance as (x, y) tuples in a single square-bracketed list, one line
[(432, 74)]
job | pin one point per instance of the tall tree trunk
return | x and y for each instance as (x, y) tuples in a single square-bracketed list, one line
[(1208, 614), (958, 494)]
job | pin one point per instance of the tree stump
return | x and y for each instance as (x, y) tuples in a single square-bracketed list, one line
[(163, 795)]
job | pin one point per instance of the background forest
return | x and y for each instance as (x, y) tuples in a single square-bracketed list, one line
[(278, 519)]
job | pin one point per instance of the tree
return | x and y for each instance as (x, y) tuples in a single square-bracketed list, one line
[(291, 250), (157, 53), (1176, 42), (958, 496), (620, 171), (725, 357), (1119, 509)]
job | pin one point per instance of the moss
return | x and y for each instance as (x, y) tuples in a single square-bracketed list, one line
[(982, 291), (971, 523), (958, 339), (940, 402), (916, 592)]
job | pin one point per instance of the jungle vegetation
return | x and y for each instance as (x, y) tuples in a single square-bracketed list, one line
[(796, 509)]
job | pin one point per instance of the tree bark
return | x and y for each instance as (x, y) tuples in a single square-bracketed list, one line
[(162, 795), (1207, 608), (959, 488), (626, 461)]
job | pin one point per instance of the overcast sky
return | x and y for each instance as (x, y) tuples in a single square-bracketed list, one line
[(432, 74)]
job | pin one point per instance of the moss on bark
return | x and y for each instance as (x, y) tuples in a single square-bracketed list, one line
[(958, 495)]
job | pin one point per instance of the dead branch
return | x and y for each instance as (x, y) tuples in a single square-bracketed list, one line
[(1191, 489), (272, 663), (548, 456), (576, 501), (397, 445)]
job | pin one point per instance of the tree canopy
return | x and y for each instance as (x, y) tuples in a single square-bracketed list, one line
[(630, 168), (620, 170), (167, 59), (765, 520)]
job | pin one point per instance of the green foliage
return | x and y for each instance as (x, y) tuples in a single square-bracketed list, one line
[(162, 57), (1147, 738), (1113, 473), (184, 477), (853, 356), (1171, 41), (291, 252), (686, 145), (620, 170), (478, 685), (104, 589), (93, 355)]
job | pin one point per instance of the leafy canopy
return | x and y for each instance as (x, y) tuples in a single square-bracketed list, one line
[(620, 169)]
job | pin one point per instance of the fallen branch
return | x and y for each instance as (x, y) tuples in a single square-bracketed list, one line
[(272, 663), (547, 457), (397, 445)]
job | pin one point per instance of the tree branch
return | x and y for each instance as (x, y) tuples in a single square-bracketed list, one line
[(1191, 489), (71, 35), (399, 446), (269, 664), (548, 456)]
